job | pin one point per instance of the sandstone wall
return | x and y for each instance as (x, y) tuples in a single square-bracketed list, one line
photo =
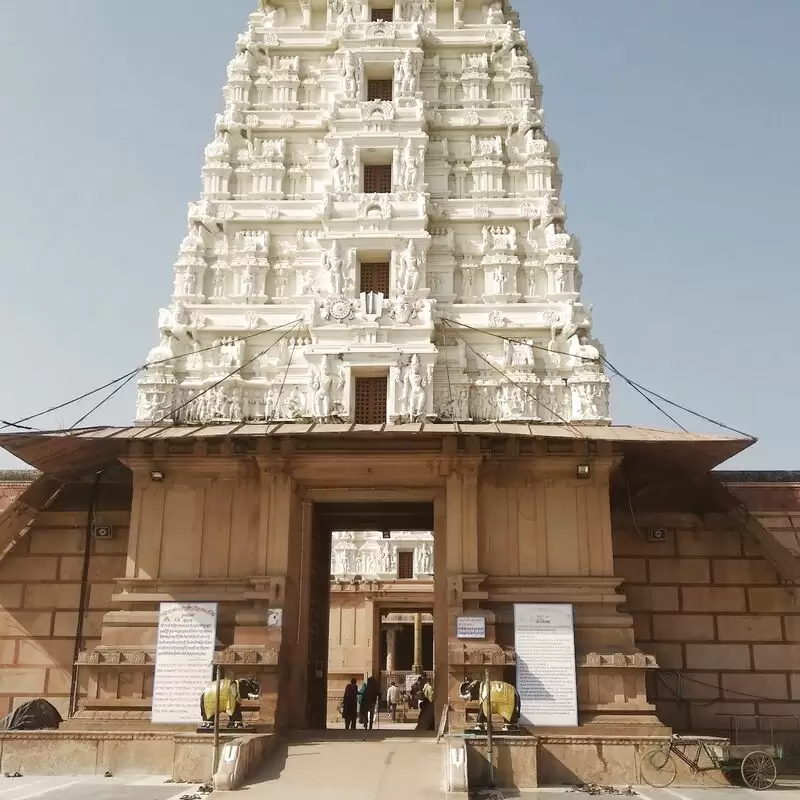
[(707, 604), (40, 584)]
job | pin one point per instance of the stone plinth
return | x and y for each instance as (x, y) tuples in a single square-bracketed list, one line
[(184, 757)]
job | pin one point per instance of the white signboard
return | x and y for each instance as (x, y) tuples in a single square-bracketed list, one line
[(470, 627), (545, 642), (187, 633)]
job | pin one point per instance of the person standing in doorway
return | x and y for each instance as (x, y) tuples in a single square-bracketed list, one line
[(426, 710), (392, 699), (369, 702), (350, 705)]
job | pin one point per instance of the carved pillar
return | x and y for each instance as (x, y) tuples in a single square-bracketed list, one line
[(417, 666), (391, 649)]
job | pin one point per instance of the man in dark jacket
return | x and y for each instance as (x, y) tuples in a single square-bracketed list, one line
[(350, 705), (369, 702)]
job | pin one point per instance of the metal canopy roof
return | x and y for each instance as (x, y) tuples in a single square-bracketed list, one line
[(70, 452)]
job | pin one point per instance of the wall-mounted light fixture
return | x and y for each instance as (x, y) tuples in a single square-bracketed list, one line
[(156, 475), (584, 470)]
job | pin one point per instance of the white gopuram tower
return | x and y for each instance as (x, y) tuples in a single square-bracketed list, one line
[(380, 236)]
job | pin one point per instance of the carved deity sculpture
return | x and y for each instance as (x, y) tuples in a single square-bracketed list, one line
[(333, 263), (350, 75), (414, 389), (407, 70), (408, 269), (386, 559), (346, 12), (510, 38), (188, 282), (219, 149), (529, 120), (219, 282), (486, 146), (410, 169), (494, 13), (323, 385), (500, 276), (249, 281), (272, 15), (340, 167)]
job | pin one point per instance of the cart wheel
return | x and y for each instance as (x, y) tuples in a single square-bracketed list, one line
[(758, 770), (658, 768)]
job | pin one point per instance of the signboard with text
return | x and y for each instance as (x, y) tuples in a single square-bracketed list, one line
[(470, 627), (187, 633), (544, 636)]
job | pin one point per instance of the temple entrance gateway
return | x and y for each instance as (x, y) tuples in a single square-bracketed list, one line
[(370, 599)]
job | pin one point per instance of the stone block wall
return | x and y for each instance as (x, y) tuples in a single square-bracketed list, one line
[(725, 633), (40, 585)]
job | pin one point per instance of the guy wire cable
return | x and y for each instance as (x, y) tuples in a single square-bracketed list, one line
[(525, 391), (617, 372), (681, 407), (125, 377), (238, 369)]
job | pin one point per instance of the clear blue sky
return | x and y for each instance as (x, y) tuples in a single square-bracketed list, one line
[(678, 127)]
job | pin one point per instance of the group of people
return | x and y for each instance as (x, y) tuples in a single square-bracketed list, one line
[(361, 704)]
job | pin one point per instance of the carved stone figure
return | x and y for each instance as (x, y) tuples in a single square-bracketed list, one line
[(272, 16), (323, 385), (408, 269), (510, 39), (305, 282), (486, 146), (414, 389), (219, 149), (333, 263), (219, 282), (249, 281), (269, 404), (494, 13), (559, 280), (350, 75), (407, 69), (500, 277), (466, 281), (189, 282), (426, 560), (340, 167), (347, 12), (386, 560), (529, 120), (410, 170)]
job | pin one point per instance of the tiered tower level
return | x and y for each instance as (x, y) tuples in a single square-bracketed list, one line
[(380, 236)]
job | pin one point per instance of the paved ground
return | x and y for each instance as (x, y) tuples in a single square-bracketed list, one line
[(391, 769), (377, 769), (91, 788)]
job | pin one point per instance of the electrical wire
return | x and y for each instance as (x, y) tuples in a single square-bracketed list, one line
[(525, 391), (689, 410), (236, 371), (125, 377), (103, 401), (637, 389), (643, 390)]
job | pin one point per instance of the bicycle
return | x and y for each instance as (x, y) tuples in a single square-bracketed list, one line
[(757, 769)]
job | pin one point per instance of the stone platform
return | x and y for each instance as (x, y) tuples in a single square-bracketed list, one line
[(180, 755)]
